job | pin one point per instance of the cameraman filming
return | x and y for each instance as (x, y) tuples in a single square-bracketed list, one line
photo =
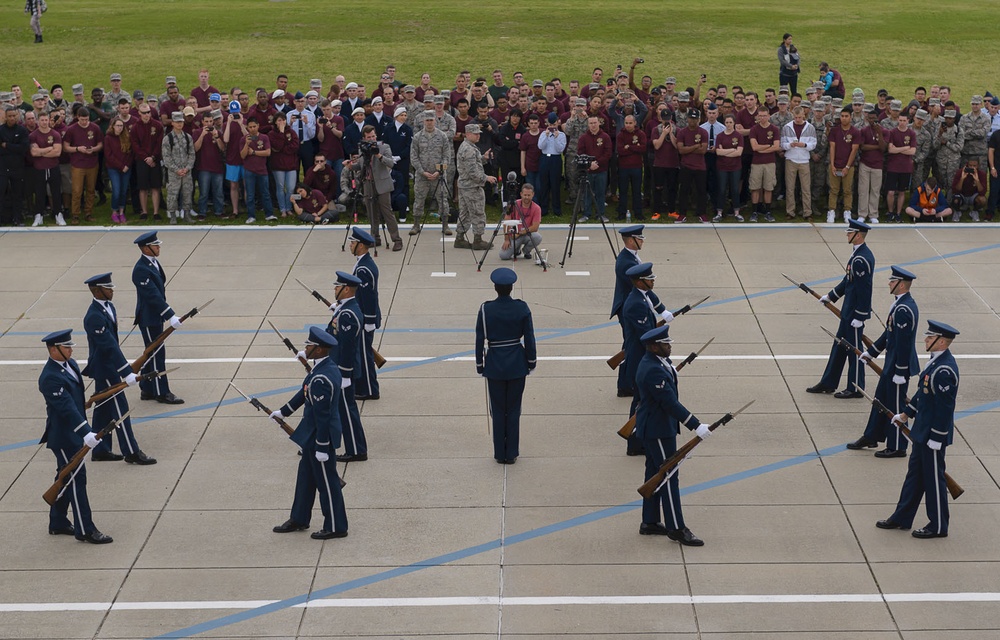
[(376, 162), (968, 190), (526, 238)]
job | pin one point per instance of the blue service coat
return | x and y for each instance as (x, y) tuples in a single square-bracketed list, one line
[(105, 360), (65, 418), (660, 412), (933, 403), (856, 286), (367, 294), (623, 284), (501, 354), (320, 427), (638, 316), (899, 339), (399, 141), (346, 326), (151, 308)]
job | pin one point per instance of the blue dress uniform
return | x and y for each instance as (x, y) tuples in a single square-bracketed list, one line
[(346, 327), (151, 311), (365, 375), (107, 366), (61, 384), (899, 342), (933, 407), (856, 290), (318, 431), (623, 285), (505, 355), (399, 137), (657, 424)]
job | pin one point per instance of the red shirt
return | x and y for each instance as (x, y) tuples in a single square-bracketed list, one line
[(631, 149), (324, 181), (746, 120), (78, 136), (284, 150), (114, 157), (255, 163), (765, 136), (529, 145), (529, 217), (209, 157), (599, 146), (167, 107), (313, 202), (500, 116), (666, 157), (147, 140), (201, 95), (263, 117), (687, 137), (897, 162), (331, 147), (844, 141), (728, 141), (873, 158), (233, 157), (45, 141)]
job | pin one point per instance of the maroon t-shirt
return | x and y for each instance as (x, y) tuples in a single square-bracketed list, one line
[(599, 146), (728, 141), (529, 144), (114, 157), (313, 202), (843, 140), (898, 162), (167, 107), (235, 144), (78, 136), (873, 158), (500, 116), (325, 181), (264, 117), (747, 120), (666, 156), (147, 140), (687, 137), (45, 141), (765, 136), (201, 95), (631, 149), (254, 163), (209, 157), (331, 147)]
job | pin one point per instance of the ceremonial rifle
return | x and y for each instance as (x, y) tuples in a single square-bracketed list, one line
[(154, 346), (629, 427), (117, 388), (67, 473), (615, 360), (291, 347), (668, 468), (828, 305), (954, 488), (379, 360)]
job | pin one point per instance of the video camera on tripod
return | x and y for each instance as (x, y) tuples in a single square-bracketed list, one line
[(368, 148), (583, 160)]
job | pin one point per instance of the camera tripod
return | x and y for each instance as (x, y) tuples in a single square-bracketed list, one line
[(442, 183), (582, 190), (508, 213)]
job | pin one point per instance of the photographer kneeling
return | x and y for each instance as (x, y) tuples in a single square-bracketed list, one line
[(526, 239), (311, 206)]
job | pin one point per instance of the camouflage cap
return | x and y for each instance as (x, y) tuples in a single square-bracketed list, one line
[(315, 83), (819, 105), (950, 113), (783, 99), (472, 128), (428, 115), (837, 102), (976, 99), (594, 85), (77, 89), (537, 83), (934, 102), (869, 108), (116, 76), (409, 89), (579, 102), (439, 99), (858, 99), (670, 80), (171, 80), (177, 116), (37, 96), (683, 96), (921, 115), (895, 105), (215, 113), (784, 89), (827, 99), (428, 97)]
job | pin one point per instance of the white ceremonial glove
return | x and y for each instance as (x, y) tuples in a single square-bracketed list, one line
[(131, 380), (175, 321), (824, 299), (91, 440), (333, 307), (667, 317), (370, 327), (934, 444), (345, 382), (857, 324), (703, 431), (322, 457), (900, 418), (865, 357), (277, 416), (898, 380), (301, 354)]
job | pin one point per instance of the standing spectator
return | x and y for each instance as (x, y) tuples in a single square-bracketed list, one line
[(202, 92), (46, 147), (284, 162), (178, 160), (303, 123), (844, 142), (83, 141), (975, 127), (713, 129), (631, 147), (595, 143), (798, 140), (530, 153), (765, 140), (472, 199), (210, 166), (118, 160), (255, 150), (692, 144), (968, 189), (923, 159), (948, 145), (232, 138), (509, 140), (147, 142), (330, 134), (34, 9), (352, 132), (574, 125), (551, 144), (263, 112), (728, 166), (117, 93), (14, 147), (993, 156), (902, 146), (788, 61), (430, 152), (666, 166), (399, 136), (873, 147)]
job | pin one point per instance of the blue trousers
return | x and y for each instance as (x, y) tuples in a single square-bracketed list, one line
[(669, 496), (924, 476), (257, 188), (365, 376), (839, 355), (505, 404), (624, 382), (113, 409), (549, 182), (350, 418), (210, 184), (314, 476), (158, 362), (880, 427), (119, 187), (75, 494), (599, 185)]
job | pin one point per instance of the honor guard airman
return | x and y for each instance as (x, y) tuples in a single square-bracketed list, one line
[(366, 374), (856, 290), (151, 312), (318, 434), (107, 366), (347, 326), (641, 312), (899, 343), (657, 423), (66, 431), (632, 239), (505, 355), (933, 410)]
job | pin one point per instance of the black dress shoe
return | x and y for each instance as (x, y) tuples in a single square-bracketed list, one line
[(323, 534), (655, 529), (68, 531), (106, 456), (148, 396), (926, 532), (500, 460), (510, 461), (890, 453), (685, 537), (862, 443), (635, 452), (820, 389), (288, 526), (169, 399), (96, 537), (357, 457), (889, 523), (846, 395), (625, 393), (139, 458), (371, 397)]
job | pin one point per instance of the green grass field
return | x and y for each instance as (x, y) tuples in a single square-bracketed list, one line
[(896, 45)]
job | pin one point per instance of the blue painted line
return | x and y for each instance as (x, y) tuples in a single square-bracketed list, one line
[(17, 445), (199, 332)]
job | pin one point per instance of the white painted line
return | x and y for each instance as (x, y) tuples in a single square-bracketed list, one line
[(447, 239), (575, 238), (445, 274), (524, 601), (578, 273)]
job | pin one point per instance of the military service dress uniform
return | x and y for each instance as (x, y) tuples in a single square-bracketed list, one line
[(626, 259), (347, 326), (365, 373), (151, 311)]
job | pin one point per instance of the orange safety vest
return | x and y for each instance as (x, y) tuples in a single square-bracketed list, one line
[(928, 200)]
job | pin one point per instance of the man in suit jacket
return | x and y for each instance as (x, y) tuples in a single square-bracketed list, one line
[(505, 355), (151, 311), (632, 239), (107, 365), (66, 431), (376, 181), (366, 374)]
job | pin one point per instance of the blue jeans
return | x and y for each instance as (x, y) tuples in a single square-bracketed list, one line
[(599, 184), (284, 184), (210, 184), (119, 187), (727, 181), (255, 184)]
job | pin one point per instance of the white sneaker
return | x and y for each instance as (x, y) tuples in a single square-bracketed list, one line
[(974, 215), (38, 220), (251, 221), (831, 216), (872, 220), (956, 217), (847, 215), (59, 220)]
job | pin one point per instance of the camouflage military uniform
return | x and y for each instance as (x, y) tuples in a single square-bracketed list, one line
[(446, 123), (114, 96), (178, 153), (573, 128), (976, 131), (779, 120), (414, 113), (471, 197), (949, 144), (427, 151), (819, 163), (923, 159)]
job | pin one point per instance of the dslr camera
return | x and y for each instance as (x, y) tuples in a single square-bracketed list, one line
[(368, 148), (583, 160)]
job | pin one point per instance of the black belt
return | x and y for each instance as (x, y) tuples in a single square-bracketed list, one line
[(495, 344)]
